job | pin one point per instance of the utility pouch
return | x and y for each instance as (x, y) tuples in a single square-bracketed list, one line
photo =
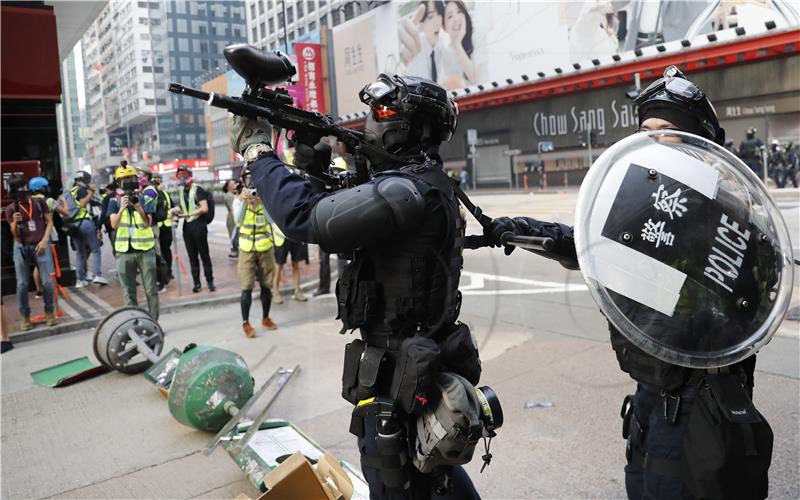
[(460, 353), (362, 370), (419, 363), (352, 361), (358, 300), (728, 444)]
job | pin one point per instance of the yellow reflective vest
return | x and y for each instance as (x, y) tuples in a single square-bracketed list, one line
[(82, 212), (133, 232), (192, 195), (256, 232)]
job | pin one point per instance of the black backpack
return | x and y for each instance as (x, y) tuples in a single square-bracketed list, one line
[(727, 446), (208, 217)]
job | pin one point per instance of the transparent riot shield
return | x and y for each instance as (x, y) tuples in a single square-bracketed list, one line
[(683, 249)]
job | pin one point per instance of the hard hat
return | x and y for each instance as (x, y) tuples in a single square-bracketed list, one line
[(126, 171)]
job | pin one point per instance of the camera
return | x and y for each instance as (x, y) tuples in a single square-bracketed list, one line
[(129, 189)]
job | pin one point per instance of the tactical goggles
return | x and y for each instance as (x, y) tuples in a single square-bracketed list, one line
[(374, 92), (673, 85)]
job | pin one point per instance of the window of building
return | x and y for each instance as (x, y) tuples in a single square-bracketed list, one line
[(144, 36), (301, 31), (183, 45), (155, 22), (144, 21), (323, 20), (147, 69), (290, 14), (299, 10), (204, 64), (280, 19), (349, 11), (271, 25), (186, 64), (260, 7), (142, 5), (310, 6), (263, 28), (158, 69), (252, 10), (312, 26), (180, 7), (182, 26), (255, 36), (202, 29)]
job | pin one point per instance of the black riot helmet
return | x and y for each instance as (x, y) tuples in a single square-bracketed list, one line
[(750, 132), (408, 115), (677, 100)]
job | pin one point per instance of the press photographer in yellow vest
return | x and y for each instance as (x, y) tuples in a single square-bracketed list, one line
[(256, 252), (134, 242)]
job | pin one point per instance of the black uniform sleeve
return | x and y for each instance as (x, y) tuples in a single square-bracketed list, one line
[(562, 235)]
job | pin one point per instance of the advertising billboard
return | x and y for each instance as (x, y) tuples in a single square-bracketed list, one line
[(463, 43)]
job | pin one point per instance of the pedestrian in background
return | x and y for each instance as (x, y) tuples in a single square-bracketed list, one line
[(194, 203), (299, 252), (229, 188), (31, 223), (84, 236), (256, 254), (134, 241), (164, 227), (5, 331)]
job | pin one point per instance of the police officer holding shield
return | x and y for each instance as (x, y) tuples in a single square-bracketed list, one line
[(401, 289), (676, 323)]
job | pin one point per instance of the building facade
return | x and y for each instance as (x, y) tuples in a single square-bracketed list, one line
[(70, 114), (131, 53), (272, 24)]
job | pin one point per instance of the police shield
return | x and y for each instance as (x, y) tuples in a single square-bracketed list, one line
[(683, 249)]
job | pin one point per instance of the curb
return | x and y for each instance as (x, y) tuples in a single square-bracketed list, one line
[(82, 324)]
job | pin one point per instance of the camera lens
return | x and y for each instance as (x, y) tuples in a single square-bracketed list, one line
[(134, 199)]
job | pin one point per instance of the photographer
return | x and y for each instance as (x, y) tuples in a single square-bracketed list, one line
[(256, 252), (31, 223), (85, 234), (134, 241)]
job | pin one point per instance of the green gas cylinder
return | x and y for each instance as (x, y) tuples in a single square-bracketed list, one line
[(209, 387)]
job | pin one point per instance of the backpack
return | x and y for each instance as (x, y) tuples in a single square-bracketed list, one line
[(70, 225), (727, 446), (208, 217), (161, 213)]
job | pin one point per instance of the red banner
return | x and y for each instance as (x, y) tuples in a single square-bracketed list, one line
[(309, 64)]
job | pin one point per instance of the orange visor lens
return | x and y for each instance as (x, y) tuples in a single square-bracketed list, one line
[(383, 112)]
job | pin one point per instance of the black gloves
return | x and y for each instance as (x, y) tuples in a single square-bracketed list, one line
[(518, 226), (313, 160)]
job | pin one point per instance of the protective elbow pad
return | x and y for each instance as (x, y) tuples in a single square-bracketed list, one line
[(351, 218)]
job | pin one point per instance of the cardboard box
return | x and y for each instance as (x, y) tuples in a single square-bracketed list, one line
[(279, 441), (297, 479)]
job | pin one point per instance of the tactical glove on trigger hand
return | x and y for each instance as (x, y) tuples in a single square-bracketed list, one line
[(247, 131), (313, 160)]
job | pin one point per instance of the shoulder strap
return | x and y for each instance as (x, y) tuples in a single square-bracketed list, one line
[(475, 210)]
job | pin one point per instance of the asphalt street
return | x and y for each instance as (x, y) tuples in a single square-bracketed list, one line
[(541, 337)]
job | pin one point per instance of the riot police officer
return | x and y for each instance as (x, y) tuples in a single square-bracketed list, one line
[(656, 416), (750, 151), (401, 289)]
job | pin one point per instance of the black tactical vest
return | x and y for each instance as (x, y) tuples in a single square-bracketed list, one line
[(408, 284)]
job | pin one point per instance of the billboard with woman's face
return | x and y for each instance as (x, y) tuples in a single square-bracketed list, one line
[(460, 43)]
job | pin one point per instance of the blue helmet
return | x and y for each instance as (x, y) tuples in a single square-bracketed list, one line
[(38, 184)]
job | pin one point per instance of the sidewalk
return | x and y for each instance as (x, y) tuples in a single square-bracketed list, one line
[(85, 307)]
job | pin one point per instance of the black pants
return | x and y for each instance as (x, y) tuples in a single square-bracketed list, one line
[(325, 269), (195, 236), (165, 240), (422, 485), (663, 437)]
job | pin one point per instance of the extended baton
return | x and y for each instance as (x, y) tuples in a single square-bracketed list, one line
[(534, 243)]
